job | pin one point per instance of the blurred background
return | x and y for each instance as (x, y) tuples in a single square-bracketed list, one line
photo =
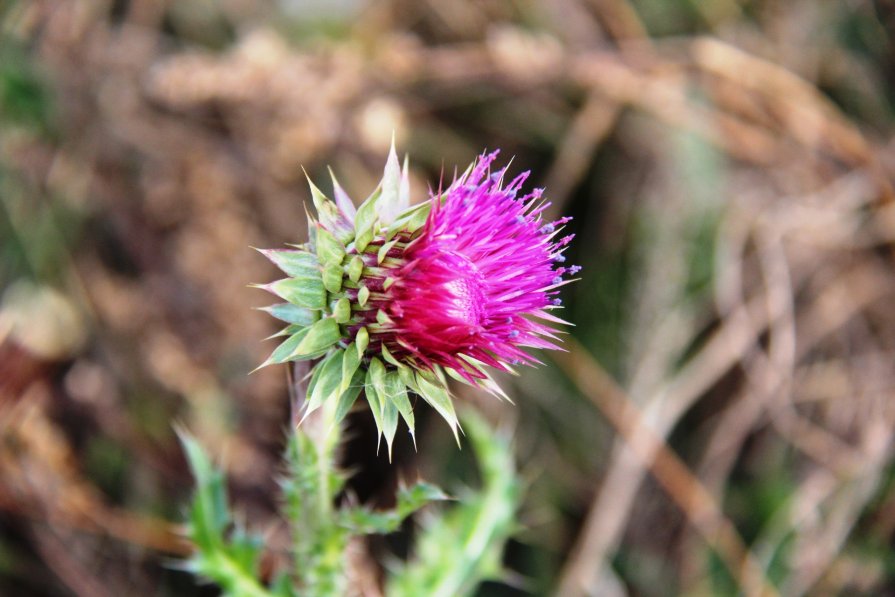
[(723, 421)]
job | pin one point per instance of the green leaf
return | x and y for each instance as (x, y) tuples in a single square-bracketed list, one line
[(418, 217), (312, 231), (363, 239), (378, 373), (329, 215), (389, 423), (408, 377), (438, 398), (307, 292), (384, 249), (373, 400), (350, 363), (397, 395), (295, 263), (332, 277), (411, 499), (404, 191), (388, 205), (289, 330), (231, 562), (350, 394), (458, 550), (342, 310), (487, 382), (336, 378), (393, 387), (363, 295), (346, 205), (285, 351), (293, 313), (282, 586), (365, 221), (355, 268), (325, 382), (386, 392), (362, 520), (362, 340), (411, 220), (329, 250), (245, 550), (209, 515), (389, 358), (320, 336)]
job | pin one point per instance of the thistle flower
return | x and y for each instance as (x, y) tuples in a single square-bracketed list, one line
[(393, 298)]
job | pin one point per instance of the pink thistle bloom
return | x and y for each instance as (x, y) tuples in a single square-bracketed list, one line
[(477, 281), (390, 297)]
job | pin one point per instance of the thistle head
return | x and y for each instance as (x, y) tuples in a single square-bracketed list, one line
[(393, 299)]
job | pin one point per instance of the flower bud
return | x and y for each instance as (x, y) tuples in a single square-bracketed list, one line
[(394, 298)]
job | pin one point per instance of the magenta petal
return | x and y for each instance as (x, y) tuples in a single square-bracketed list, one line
[(344, 202), (482, 267)]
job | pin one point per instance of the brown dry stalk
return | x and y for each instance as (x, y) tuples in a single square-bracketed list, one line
[(586, 132), (676, 479)]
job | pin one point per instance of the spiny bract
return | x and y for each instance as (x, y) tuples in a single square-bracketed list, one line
[(393, 298)]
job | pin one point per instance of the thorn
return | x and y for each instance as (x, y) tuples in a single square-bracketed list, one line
[(261, 366)]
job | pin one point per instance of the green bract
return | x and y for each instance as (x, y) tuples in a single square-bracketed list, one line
[(324, 290), (396, 299)]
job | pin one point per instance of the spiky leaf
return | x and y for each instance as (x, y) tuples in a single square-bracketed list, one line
[(389, 423), (363, 295), (365, 221), (319, 336), (329, 250), (362, 340), (286, 351), (355, 268), (455, 552), (325, 381), (305, 291), (397, 395), (295, 263), (346, 205), (293, 314), (209, 515), (384, 249), (389, 205), (329, 214), (349, 395), (342, 310), (362, 520), (332, 277), (350, 364), (373, 400), (232, 561), (437, 397)]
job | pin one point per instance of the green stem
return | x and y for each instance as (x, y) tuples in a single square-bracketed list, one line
[(328, 440), (232, 578), (493, 516), (319, 541)]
